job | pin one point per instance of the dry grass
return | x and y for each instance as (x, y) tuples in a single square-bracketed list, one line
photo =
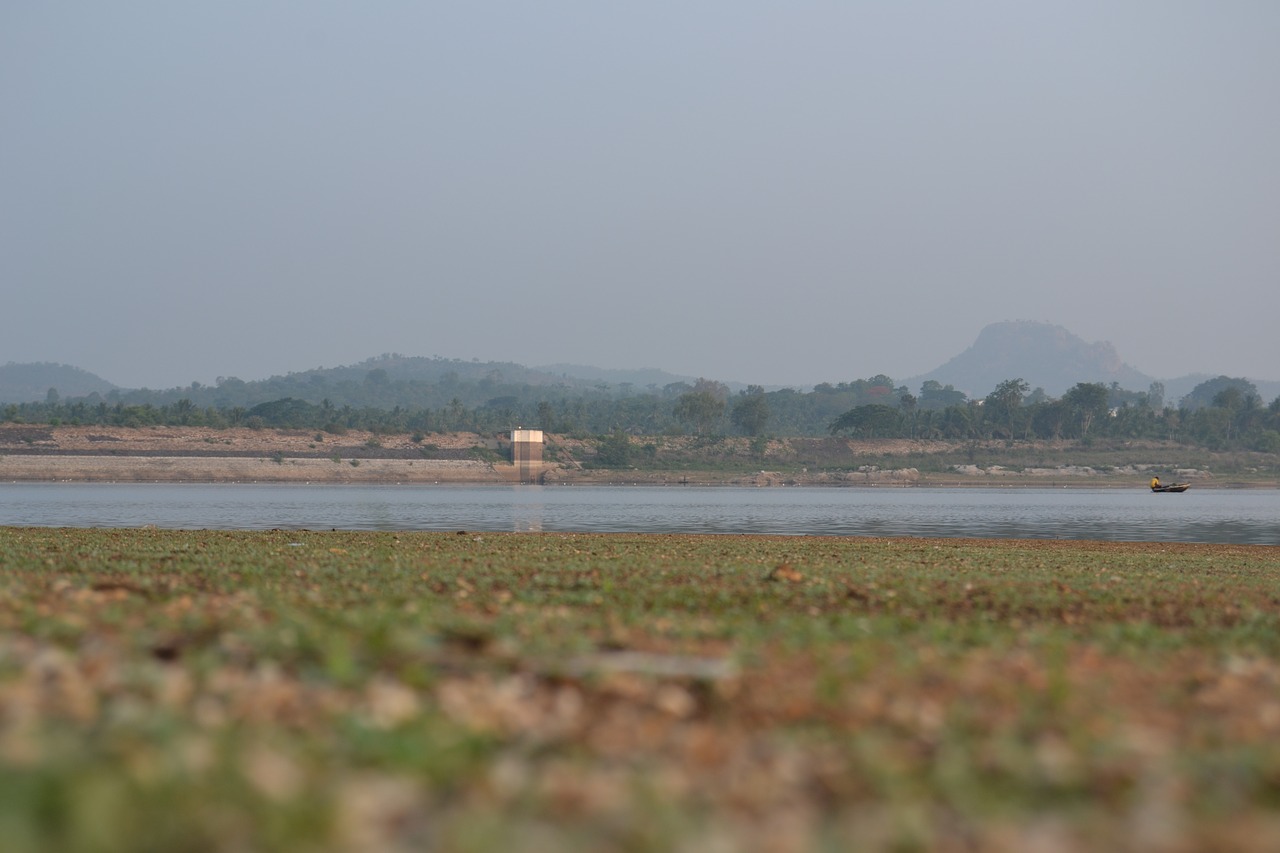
[(298, 690)]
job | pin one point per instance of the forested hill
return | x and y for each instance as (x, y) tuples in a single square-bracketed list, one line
[(1223, 413), (385, 382), (1046, 357), (398, 393), (25, 383)]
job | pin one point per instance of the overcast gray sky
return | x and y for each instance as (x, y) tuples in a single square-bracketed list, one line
[(784, 193)]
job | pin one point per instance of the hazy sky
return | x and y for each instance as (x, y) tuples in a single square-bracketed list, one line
[(783, 193)]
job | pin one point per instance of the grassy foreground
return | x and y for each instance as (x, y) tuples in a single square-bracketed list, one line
[(288, 690)]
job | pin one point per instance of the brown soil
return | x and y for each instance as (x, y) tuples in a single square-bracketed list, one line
[(35, 452), (204, 441), (200, 454)]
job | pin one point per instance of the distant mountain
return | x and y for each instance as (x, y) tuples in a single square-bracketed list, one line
[(641, 379), (30, 382), (396, 367), (1046, 356)]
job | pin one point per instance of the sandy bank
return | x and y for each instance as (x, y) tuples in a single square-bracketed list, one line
[(184, 469), (34, 453)]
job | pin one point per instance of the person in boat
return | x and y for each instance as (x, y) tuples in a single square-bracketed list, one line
[(1157, 486)]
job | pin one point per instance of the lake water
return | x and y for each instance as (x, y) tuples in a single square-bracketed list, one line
[(1218, 515)]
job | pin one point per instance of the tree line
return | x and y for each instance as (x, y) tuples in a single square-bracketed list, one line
[(1222, 413)]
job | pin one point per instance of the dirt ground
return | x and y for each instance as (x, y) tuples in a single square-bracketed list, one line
[(181, 441), (35, 452), (203, 455)]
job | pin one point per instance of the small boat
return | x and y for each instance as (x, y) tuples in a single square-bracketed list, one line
[(1172, 487)]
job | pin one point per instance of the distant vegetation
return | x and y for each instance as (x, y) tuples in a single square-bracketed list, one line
[(397, 394)]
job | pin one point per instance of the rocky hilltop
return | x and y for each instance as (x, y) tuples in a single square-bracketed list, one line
[(1046, 356)]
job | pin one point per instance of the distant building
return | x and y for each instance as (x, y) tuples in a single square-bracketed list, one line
[(526, 454)]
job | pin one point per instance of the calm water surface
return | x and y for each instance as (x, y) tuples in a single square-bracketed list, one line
[(1228, 516)]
